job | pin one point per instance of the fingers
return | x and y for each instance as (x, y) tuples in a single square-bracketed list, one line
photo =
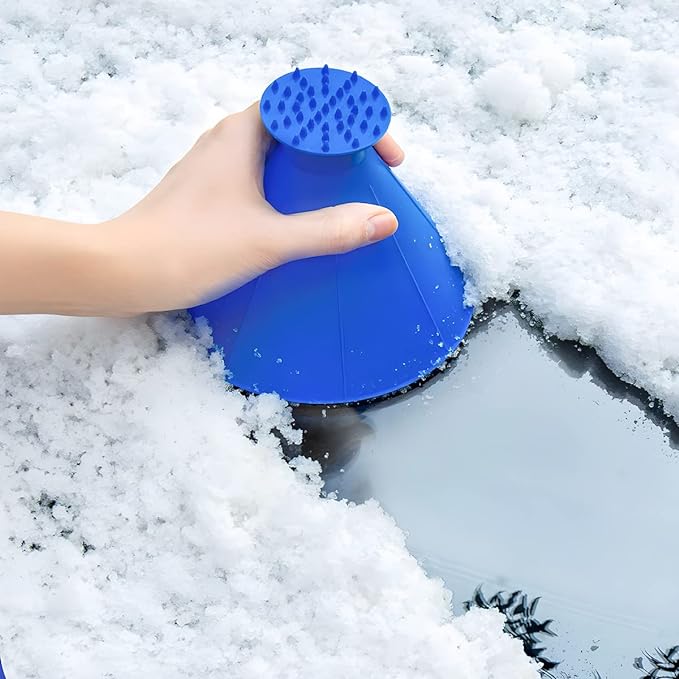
[(242, 141), (253, 129), (392, 154), (332, 230), (258, 137)]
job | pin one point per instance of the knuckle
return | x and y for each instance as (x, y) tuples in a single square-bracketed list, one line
[(224, 126), (338, 231), (270, 252), (267, 242)]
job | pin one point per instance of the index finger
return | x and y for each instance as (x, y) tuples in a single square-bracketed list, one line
[(392, 154)]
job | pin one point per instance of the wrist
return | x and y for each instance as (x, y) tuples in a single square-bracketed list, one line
[(114, 262), (146, 273), (90, 272), (106, 267)]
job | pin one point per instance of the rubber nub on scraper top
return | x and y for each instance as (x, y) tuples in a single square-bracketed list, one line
[(358, 112), (347, 328)]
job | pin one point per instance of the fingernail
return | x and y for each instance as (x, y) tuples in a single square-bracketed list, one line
[(398, 159), (380, 226)]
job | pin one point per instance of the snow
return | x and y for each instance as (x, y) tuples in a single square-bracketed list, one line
[(514, 93), (145, 533), (142, 529)]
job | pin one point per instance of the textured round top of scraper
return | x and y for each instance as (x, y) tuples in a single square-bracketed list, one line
[(325, 111)]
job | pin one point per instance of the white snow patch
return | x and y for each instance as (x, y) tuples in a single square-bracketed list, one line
[(512, 92), (143, 534)]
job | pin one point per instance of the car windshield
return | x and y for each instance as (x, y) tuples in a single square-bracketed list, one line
[(530, 479)]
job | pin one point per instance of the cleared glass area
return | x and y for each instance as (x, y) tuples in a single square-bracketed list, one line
[(528, 467)]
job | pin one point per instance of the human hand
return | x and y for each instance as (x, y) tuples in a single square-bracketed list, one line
[(207, 228)]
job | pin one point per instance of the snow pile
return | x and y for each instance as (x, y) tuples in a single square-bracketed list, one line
[(140, 529), (144, 535), (556, 128), (514, 93)]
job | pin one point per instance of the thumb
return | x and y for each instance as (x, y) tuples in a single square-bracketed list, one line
[(334, 230)]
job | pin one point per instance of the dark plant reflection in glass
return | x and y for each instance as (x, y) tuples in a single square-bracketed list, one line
[(521, 622), (660, 664)]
